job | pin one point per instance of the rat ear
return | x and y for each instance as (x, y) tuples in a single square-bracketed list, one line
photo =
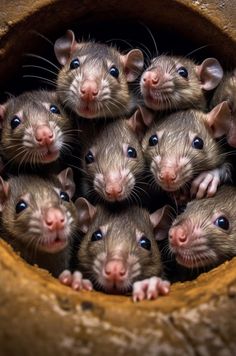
[(4, 192), (210, 73), (66, 179), (2, 113), (133, 63), (86, 213), (219, 119), (140, 121), (65, 46), (161, 221)]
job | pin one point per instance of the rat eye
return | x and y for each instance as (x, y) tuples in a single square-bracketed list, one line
[(64, 196), (131, 152), (15, 121), (114, 72), (144, 242), (97, 235), (183, 72), (222, 222), (198, 143), (74, 64), (20, 206), (153, 140), (89, 158), (54, 109)]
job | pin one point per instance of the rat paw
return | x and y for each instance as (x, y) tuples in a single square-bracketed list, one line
[(150, 288), (206, 184), (75, 280)]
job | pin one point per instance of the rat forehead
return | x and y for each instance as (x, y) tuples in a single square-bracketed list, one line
[(172, 61), (97, 51)]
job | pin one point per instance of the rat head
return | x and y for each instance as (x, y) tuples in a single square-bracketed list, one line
[(118, 249), (34, 131), (114, 163), (226, 94), (38, 214), (204, 234), (94, 79), (181, 146), (174, 83)]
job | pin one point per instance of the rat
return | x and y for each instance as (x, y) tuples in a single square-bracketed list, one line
[(180, 150), (225, 93), (204, 234), (93, 80), (113, 162), (173, 83), (118, 252), (34, 130), (39, 219)]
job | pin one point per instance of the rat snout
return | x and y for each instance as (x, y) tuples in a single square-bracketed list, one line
[(114, 185), (178, 235), (44, 135), (151, 78), (115, 270), (89, 90), (168, 175), (54, 219)]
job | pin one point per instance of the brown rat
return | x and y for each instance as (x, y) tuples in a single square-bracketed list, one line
[(181, 149), (113, 160), (226, 93), (204, 235), (93, 81), (118, 252), (175, 83), (38, 218), (34, 130)]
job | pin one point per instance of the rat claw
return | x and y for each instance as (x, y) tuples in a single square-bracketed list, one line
[(65, 277), (150, 288), (75, 280)]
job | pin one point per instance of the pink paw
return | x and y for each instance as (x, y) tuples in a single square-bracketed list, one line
[(75, 280), (206, 184), (150, 288)]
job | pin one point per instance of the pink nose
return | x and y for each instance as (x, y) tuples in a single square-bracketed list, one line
[(54, 219), (178, 235), (89, 90), (115, 270), (44, 135), (150, 78), (113, 190), (168, 175)]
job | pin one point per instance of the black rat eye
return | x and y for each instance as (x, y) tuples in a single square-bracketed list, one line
[(15, 121), (74, 64), (64, 196), (183, 72), (97, 235), (131, 152), (153, 140), (222, 222), (144, 242), (20, 206), (89, 158), (114, 72), (54, 109), (198, 143)]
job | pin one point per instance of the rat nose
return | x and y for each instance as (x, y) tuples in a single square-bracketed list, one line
[(150, 78), (114, 270), (89, 90), (114, 190), (178, 235), (168, 175), (44, 135), (54, 219)]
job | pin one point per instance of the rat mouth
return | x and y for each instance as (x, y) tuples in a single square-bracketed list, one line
[(190, 260), (53, 246), (50, 156), (88, 110)]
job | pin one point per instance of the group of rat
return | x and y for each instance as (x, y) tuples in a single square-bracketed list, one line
[(98, 170)]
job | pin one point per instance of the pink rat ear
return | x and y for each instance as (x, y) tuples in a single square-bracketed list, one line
[(210, 73), (140, 121), (133, 63), (219, 119), (65, 46), (86, 213), (66, 179), (4, 192), (161, 221)]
